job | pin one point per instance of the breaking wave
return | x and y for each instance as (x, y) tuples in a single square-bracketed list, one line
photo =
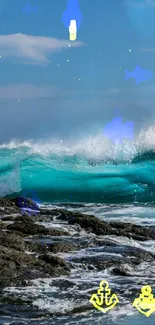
[(91, 169)]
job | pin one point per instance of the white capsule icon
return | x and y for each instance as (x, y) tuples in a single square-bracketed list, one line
[(72, 30)]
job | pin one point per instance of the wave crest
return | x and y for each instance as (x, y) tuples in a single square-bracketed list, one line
[(88, 170)]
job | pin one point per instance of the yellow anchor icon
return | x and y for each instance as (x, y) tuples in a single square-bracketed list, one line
[(146, 302), (102, 298)]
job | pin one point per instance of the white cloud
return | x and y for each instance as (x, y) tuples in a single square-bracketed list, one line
[(32, 49)]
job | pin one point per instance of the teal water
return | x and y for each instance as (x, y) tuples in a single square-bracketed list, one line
[(88, 172)]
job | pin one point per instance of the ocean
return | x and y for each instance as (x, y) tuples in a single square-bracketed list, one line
[(114, 182), (91, 170)]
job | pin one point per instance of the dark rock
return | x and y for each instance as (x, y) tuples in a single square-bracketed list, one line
[(46, 212), (15, 256), (55, 232), (55, 261), (34, 218), (12, 241), (64, 214), (91, 223), (132, 231), (98, 227), (28, 227), (24, 218), (17, 267), (130, 256), (97, 262), (5, 203), (102, 242), (2, 225), (123, 270), (8, 218), (138, 254), (36, 247), (64, 246), (31, 228)]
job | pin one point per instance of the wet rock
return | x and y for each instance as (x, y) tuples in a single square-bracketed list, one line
[(137, 254), (12, 241), (64, 284), (64, 214), (7, 269), (55, 261), (24, 218), (5, 203), (91, 223), (28, 227), (34, 218), (16, 267), (130, 256), (12, 264), (97, 262), (8, 218), (31, 228), (2, 225), (123, 270), (51, 212), (102, 242), (55, 232), (36, 247), (62, 247), (132, 231)]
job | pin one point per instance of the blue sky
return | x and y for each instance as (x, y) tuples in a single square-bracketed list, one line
[(51, 89)]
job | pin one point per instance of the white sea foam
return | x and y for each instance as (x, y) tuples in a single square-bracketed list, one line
[(142, 215), (53, 305), (92, 147)]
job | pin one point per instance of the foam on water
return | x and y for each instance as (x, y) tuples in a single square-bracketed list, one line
[(88, 169), (140, 215)]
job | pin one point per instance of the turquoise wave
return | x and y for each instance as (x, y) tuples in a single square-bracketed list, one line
[(75, 175)]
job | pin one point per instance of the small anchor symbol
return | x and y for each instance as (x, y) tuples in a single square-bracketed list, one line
[(104, 297), (146, 302)]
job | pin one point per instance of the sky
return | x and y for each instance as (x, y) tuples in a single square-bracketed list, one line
[(51, 87)]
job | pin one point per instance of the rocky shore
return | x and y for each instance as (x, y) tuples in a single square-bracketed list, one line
[(71, 250), (22, 260)]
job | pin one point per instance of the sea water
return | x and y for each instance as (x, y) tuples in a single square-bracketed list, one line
[(90, 176)]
